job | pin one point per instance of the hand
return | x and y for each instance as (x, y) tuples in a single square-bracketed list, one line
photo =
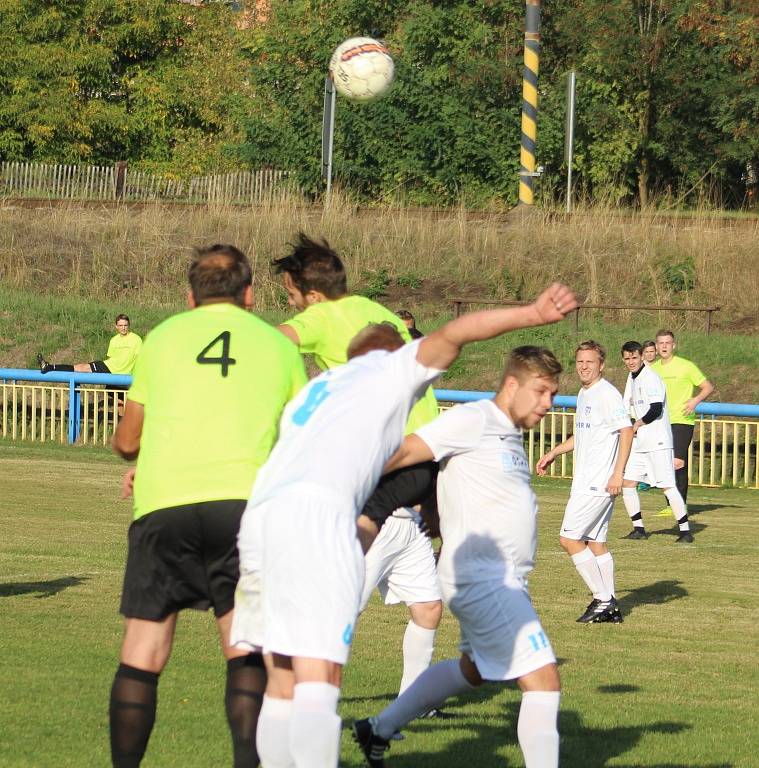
[(690, 406), (614, 486), (127, 483), (555, 303), (544, 462), (636, 426)]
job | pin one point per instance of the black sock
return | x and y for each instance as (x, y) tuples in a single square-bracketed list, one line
[(59, 367), (132, 714), (637, 521), (681, 481), (246, 682)]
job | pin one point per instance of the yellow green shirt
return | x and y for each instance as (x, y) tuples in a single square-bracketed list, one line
[(122, 352), (680, 377), (325, 330), (213, 382)]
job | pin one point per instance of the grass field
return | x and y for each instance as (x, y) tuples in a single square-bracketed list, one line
[(674, 686)]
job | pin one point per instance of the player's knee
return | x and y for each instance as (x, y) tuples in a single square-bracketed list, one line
[(470, 671), (427, 615), (568, 545), (544, 679)]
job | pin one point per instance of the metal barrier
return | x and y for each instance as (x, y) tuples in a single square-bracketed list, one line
[(85, 408)]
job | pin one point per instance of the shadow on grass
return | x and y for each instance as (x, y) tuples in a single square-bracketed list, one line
[(617, 688), (652, 594), (581, 746), (44, 588), (673, 531), (697, 509)]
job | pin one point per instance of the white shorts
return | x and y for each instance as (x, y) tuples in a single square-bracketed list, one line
[(301, 577), (587, 517), (657, 468), (500, 630), (401, 564)]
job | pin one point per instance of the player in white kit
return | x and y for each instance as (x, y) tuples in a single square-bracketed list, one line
[(601, 442), (301, 566), (652, 458), (488, 523)]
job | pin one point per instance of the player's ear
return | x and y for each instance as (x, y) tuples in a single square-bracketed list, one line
[(247, 297), (314, 297), (191, 303)]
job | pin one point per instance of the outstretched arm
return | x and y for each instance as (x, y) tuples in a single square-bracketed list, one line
[(441, 348)]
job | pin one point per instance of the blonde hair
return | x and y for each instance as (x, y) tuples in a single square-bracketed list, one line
[(534, 361), (594, 345)]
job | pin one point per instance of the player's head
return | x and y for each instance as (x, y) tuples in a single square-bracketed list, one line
[(220, 273), (649, 351), (632, 356), (407, 318), (665, 344), (122, 324), (375, 336), (530, 380), (590, 359), (312, 273)]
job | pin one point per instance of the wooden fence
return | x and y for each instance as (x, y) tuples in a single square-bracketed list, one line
[(118, 182)]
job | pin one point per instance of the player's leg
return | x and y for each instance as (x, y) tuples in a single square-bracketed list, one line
[(419, 639), (273, 735), (666, 479), (682, 435), (537, 725), (635, 472), (145, 649)]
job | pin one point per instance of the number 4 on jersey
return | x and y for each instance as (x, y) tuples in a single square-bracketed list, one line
[(225, 360)]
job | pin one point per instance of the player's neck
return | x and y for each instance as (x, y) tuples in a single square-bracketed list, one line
[(667, 360), (592, 383)]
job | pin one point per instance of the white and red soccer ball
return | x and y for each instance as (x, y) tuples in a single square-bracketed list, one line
[(362, 68)]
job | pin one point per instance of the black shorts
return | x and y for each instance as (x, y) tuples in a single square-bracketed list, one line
[(403, 488), (98, 366), (682, 435), (183, 557)]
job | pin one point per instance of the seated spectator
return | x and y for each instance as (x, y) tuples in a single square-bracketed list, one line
[(408, 319), (122, 352)]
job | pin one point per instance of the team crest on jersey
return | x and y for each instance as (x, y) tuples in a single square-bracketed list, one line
[(587, 410)]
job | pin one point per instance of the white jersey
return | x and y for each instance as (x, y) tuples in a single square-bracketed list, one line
[(600, 414), (488, 511), (342, 427), (640, 392)]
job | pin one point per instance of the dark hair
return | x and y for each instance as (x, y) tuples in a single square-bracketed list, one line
[(314, 266), (122, 317), (219, 271), (404, 314), (592, 345), (647, 344), (375, 336), (665, 332), (632, 346), (537, 361)]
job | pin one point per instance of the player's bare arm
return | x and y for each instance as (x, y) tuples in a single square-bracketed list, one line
[(441, 348), (705, 389), (546, 460), (290, 333), (126, 438), (614, 486), (413, 450), (127, 483)]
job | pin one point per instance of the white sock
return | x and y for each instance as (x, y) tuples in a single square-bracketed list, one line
[(587, 567), (418, 646), (430, 689), (536, 729), (272, 733), (678, 508), (315, 726), (606, 566), (632, 505)]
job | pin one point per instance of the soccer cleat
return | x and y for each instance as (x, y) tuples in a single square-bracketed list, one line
[(605, 614), (666, 512), (589, 611), (636, 533), (616, 617), (43, 364), (435, 712), (373, 746), (685, 537)]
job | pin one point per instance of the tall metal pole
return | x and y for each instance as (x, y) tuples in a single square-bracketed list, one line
[(569, 134), (328, 133), (529, 102)]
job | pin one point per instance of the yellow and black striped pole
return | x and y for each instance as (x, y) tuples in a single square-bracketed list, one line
[(529, 102)]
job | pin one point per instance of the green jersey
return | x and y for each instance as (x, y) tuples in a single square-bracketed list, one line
[(213, 382), (122, 352), (325, 330), (680, 377)]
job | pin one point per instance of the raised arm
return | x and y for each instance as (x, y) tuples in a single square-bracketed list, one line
[(441, 348)]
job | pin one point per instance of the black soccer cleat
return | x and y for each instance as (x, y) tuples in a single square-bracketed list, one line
[(436, 713), (605, 614), (637, 533), (685, 537), (588, 612), (616, 617), (373, 746), (43, 364)]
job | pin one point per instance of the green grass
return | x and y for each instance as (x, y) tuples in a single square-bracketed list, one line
[(674, 686), (70, 329)]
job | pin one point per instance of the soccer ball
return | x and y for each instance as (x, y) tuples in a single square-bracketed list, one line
[(361, 68)]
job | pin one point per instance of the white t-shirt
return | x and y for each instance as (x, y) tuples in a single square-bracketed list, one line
[(640, 392), (600, 414), (488, 512), (342, 427)]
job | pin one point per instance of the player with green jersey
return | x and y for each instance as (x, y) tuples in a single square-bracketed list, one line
[(681, 378), (201, 417)]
